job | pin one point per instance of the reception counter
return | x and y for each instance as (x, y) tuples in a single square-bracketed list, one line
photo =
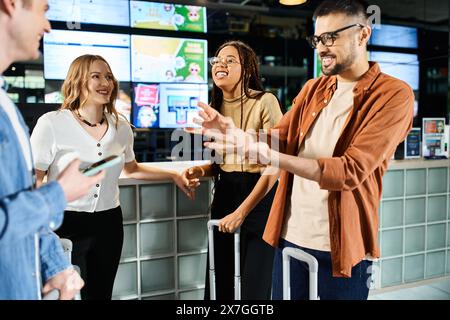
[(165, 239), (414, 223), (165, 243)]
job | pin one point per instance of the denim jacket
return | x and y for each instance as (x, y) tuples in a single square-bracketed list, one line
[(30, 253)]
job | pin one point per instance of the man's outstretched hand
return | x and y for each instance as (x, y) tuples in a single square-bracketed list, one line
[(211, 119), (226, 137)]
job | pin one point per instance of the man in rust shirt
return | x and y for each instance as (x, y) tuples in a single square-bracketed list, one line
[(335, 145)]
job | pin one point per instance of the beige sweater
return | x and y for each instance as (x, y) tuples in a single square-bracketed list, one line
[(262, 113)]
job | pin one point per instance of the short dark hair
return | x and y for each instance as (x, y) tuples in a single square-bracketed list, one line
[(351, 8)]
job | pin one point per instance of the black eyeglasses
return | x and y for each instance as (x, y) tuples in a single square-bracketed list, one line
[(328, 38)]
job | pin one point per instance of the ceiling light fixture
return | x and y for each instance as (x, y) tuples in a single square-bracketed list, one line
[(292, 2)]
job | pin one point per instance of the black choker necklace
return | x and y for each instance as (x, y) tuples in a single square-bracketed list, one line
[(88, 123)]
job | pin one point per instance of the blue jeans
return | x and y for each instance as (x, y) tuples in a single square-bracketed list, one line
[(329, 287)]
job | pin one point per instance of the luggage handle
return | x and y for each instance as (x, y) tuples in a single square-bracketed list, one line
[(54, 294), (237, 262), (313, 266), (67, 248)]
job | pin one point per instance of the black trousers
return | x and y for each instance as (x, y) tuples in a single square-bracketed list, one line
[(97, 245), (231, 189)]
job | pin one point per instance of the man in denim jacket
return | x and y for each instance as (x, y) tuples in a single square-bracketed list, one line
[(30, 253)]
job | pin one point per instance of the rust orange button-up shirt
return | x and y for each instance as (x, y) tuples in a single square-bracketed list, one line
[(381, 118)]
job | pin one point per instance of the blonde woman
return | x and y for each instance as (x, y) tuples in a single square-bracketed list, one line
[(89, 125)]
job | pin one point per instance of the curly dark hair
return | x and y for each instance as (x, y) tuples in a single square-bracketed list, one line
[(250, 75), (250, 79)]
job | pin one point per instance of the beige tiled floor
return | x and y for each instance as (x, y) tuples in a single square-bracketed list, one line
[(439, 290)]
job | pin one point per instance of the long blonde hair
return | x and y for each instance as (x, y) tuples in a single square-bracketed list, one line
[(76, 85)]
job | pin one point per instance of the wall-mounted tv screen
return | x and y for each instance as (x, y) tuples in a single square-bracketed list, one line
[(145, 105), (123, 102), (61, 47), (394, 36), (317, 65), (178, 104), (162, 59), (166, 16), (90, 11), (400, 65), (53, 91)]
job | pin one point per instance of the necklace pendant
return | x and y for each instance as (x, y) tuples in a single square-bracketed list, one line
[(92, 125)]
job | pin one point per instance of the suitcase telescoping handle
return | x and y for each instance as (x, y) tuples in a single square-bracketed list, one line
[(313, 267), (237, 265), (54, 294), (67, 248)]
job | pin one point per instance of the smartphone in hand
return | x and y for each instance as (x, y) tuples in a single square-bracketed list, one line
[(100, 165)]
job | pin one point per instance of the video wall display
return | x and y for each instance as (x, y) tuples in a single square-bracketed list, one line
[(61, 47), (146, 105), (123, 101), (135, 14), (167, 105), (317, 65), (161, 79), (163, 59), (53, 91), (394, 36), (403, 66), (166, 16), (106, 12), (178, 104)]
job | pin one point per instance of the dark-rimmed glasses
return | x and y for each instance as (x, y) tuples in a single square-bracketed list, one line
[(328, 38)]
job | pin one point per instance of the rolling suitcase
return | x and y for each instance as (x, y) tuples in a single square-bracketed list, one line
[(67, 247), (313, 267), (237, 266)]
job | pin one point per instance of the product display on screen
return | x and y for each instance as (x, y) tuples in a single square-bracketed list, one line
[(61, 47), (162, 59), (123, 104), (90, 11), (166, 16), (394, 36), (146, 105), (412, 144), (433, 137), (178, 104), (167, 105)]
